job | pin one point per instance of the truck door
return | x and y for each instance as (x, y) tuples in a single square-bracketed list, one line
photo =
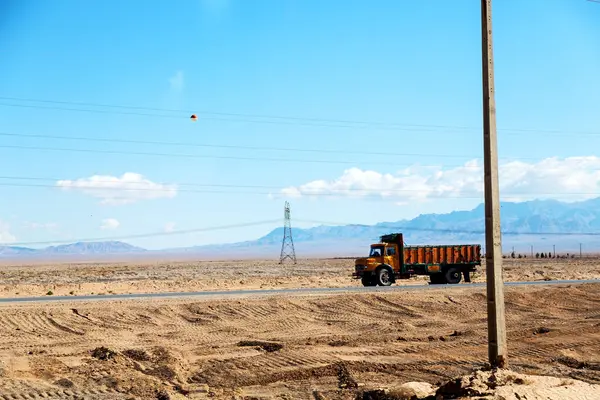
[(391, 257)]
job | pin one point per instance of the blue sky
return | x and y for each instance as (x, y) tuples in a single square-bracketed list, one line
[(411, 69)]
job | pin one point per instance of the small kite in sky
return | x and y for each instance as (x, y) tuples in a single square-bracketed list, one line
[(194, 117)]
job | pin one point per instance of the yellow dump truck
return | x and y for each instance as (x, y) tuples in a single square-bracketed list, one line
[(390, 259)]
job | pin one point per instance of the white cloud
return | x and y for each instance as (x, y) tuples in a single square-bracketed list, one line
[(5, 235), (126, 189), (49, 226), (177, 82), (169, 227), (568, 179), (109, 224)]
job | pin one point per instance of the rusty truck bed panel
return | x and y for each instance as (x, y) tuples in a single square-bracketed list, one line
[(442, 254)]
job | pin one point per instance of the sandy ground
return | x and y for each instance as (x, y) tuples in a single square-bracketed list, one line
[(96, 278), (299, 347)]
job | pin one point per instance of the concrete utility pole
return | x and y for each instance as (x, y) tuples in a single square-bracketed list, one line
[(493, 237)]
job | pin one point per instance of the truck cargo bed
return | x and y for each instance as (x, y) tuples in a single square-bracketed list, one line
[(442, 254)]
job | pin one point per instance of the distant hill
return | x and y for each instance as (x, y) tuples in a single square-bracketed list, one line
[(79, 248), (113, 247), (541, 223), (15, 251)]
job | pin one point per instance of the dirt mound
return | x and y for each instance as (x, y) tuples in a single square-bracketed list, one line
[(161, 355), (496, 384), (266, 346), (163, 372), (577, 364), (64, 382), (506, 384), (137, 355)]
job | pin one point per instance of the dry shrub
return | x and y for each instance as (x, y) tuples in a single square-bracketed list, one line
[(103, 353), (541, 330), (396, 394)]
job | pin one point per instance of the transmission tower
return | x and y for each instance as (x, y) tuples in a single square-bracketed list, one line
[(287, 245)]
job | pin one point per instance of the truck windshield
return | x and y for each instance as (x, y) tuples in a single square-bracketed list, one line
[(376, 251)]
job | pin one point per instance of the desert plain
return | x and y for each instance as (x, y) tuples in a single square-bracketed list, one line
[(288, 346)]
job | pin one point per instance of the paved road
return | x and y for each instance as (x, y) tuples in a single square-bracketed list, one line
[(260, 292)]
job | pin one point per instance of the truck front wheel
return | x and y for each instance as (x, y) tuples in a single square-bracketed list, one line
[(384, 277), (453, 275), (368, 280)]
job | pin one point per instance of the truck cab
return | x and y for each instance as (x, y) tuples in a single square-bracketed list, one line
[(380, 267)]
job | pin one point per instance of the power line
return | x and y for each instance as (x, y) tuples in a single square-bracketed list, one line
[(145, 235), (232, 114), (225, 114), (269, 119), (204, 156), (214, 118), (240, 147), (126, 187), (236, 147), (160, 190), (264, 159), (381, 226)]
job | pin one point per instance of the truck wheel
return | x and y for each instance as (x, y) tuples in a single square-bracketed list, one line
[(384, 277), (368, 281), (453, 275)]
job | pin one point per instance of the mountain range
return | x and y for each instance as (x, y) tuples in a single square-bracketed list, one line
[(538, 223), (79, 248)]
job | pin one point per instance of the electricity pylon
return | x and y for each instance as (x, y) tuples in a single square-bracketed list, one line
[(287, 244)]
